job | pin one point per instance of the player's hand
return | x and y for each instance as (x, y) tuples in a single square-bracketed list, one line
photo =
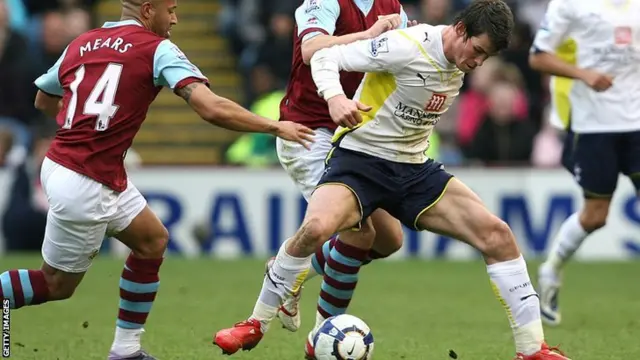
[(411, 23), (346, 112), (291, 131), (384, 24), (596, 80)]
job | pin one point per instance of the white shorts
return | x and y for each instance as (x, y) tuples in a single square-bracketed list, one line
[(305, 167), (81, 213)]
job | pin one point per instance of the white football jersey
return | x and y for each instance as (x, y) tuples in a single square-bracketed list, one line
[(607, 39), (408, 83)]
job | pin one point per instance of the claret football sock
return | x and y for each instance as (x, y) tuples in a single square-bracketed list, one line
[(319, 258), (138, 288), (340, 279), (23, 288)]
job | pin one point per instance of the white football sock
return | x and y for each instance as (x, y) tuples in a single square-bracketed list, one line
[(312, 271), (126, 341), (284, 278), (512, 286), (567, 241)]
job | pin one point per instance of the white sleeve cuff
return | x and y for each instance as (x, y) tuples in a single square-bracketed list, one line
[(326, 73), (331, 92)]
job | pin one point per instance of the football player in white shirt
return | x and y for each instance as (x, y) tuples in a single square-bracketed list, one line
[(605, 115), (378, 159)]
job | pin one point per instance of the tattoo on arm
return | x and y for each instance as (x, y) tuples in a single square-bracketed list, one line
[(185, 91), (272, 129)]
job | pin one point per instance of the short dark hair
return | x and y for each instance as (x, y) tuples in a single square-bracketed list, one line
[(493, 17)]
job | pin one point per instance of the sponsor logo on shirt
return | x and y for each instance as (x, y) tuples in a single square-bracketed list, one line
[(415, 116)]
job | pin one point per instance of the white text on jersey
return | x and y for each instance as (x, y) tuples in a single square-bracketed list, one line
[(117, 45)]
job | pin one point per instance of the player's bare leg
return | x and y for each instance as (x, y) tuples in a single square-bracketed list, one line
[(147, 238), (461, 215), (572, 233), (389, 235), (388, 240), (292, 263), (306, 168)]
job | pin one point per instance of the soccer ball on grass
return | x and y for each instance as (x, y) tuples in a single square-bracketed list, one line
[(343, 337)]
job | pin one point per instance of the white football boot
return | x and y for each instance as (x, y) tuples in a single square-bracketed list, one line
[(549, 283)]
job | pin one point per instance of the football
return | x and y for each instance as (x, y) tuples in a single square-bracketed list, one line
[(343, 337)]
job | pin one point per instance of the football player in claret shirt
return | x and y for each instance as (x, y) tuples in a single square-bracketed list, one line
[(99, 91)]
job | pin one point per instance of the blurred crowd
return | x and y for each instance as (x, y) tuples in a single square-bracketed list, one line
[(499, 119), (33, 35)]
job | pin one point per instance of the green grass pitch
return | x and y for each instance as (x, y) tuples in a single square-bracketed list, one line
[(416, 309)]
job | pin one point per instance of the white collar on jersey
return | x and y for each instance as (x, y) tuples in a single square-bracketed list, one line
[(110, 24)]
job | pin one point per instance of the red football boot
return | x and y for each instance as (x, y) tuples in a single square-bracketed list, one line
[(546, 353), (244, 335)]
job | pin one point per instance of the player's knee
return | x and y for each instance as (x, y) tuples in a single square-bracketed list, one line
[(497, 241), (155, 246), (312, 233)]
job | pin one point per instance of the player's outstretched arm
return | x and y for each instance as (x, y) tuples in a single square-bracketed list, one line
[(229, 115), (49, 104), (173, 70)]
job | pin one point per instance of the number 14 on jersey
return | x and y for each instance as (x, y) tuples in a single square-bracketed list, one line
[(100, 102)]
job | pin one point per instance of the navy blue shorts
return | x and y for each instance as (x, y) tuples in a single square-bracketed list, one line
[(596, 160), (404, 190)]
